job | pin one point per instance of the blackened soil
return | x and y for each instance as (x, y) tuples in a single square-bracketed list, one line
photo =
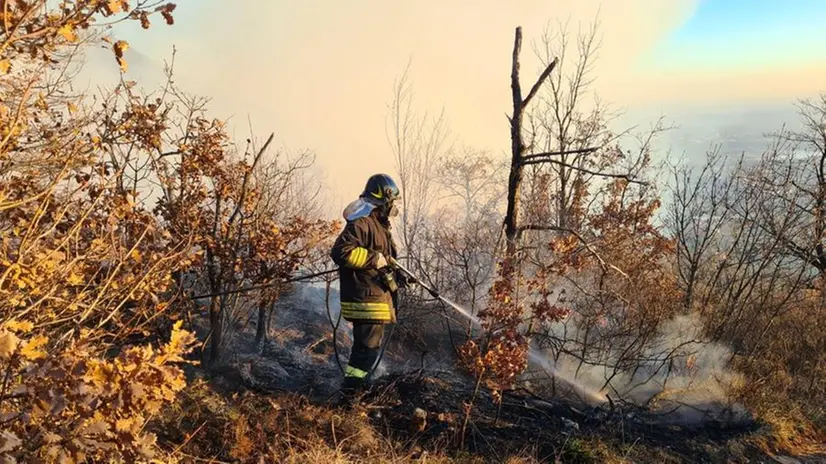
[(547, 428)]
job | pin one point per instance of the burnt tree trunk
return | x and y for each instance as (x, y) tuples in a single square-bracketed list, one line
[(216, 313), (517, 150), (216, 330), (517, 144), (263, 327)]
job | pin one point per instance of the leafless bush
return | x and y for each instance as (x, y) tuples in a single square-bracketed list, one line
[(749, 260)]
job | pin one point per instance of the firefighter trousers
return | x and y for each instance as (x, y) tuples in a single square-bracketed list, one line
[(366, 347)]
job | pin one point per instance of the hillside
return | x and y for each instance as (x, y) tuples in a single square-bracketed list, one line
[(279, 406), (173, 292)]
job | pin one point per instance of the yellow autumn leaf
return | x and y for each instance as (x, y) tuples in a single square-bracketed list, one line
[(68, 32), (72, 107), (119, 47), (128, 424), (114, 6), (135, 255), (19, 326), (30, 349), (5, 66), (74, 279)]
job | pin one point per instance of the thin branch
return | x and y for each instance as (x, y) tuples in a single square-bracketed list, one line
[(588, 171), (247, 178), (549, 154)]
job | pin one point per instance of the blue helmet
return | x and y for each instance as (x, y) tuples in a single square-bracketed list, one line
[(381, 190)]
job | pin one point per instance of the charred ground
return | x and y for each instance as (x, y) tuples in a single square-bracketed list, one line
[(277, 402)]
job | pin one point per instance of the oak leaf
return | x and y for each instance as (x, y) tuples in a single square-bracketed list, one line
[(146, 445), (98, 427), (30, 350), (127, 424), (114, 6), (9, 441), (19, 326)]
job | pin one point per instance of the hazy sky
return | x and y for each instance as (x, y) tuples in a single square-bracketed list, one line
[(320, 74)]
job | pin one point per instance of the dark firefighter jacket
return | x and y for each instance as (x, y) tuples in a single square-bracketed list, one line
[(364, 296)]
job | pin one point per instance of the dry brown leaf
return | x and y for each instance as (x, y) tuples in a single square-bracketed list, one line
[(146, 445), (8, 343), (9, 441), (97, 427)]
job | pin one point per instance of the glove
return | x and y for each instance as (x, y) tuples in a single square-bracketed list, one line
[(405, 280), (381, 261)]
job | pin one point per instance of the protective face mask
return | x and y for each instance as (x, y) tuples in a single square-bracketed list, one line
[(393, 211)]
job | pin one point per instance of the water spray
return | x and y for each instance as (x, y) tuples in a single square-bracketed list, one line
[(533, 354)]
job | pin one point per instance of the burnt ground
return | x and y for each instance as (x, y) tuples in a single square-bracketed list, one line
[(552, 430), (549, 428), (300, 358)]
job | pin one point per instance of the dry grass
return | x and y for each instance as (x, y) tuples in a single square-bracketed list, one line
[(206, 424), (791, 433)]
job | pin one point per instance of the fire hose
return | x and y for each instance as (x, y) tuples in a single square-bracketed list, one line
[(267, 285), (394, 263)]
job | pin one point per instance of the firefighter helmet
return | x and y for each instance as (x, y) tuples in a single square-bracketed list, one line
[(381, 190)]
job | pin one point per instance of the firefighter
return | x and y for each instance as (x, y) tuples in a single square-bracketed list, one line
[(368, 283)]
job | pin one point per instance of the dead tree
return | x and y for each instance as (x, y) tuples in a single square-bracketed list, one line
[(519, 156)]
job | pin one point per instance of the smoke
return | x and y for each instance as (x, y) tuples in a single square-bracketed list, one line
[(678, 374)]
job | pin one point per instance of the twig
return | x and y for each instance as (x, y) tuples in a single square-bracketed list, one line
[(189, 438), (245, 183), (469, 409), (628, 451), (200, 459)]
